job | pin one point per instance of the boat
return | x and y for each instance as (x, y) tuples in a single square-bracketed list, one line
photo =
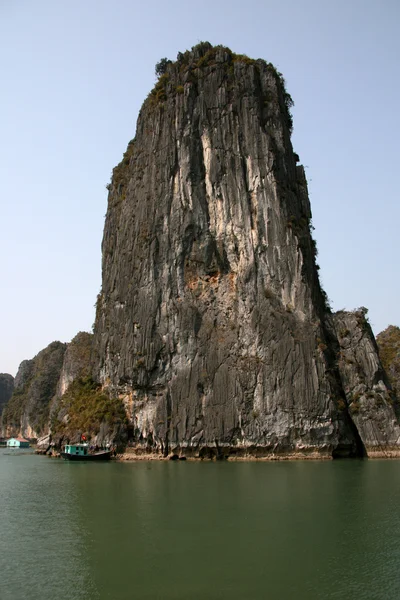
[(83, 452)]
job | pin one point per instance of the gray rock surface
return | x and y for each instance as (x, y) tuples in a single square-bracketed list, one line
[(25, 372), (211, 324), (27, 411), (76, 361), (371, 402), (76, 364), (389, 351), (6, 390), (40, 384)]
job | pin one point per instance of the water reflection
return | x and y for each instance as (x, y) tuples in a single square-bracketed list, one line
[(41, 540), (304, 530)]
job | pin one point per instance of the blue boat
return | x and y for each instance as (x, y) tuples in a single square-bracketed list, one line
[(83, 452)]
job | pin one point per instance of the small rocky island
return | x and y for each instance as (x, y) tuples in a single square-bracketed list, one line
[(213, 336)]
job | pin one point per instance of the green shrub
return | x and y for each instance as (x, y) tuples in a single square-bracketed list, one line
[(161, 67), (243, 58), (159, 93), (87, 406), (120, 176)]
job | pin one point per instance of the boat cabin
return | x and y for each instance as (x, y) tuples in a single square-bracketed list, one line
[(18, 443), (77, 449)]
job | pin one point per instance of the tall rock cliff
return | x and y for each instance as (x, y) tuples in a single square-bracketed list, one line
[(76, 363), (389, 350), (6, 390), (80, 406), (76, 366), (211, 324), (371, 400), (41, 383), (27, 412)]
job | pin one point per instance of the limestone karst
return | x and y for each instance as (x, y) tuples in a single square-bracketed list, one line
[(211, 328), (211, 324)]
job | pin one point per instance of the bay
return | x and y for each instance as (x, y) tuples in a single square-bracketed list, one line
[(198, 530)]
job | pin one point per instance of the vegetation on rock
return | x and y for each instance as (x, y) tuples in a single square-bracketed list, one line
[(389, 351), (191, 66), (205, 55), (35, 386), (41, 382), (78, 355), (161, 66), (6, 389), (84, 408), (120, 177)]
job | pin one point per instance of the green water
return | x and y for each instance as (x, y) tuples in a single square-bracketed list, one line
[(176, 530)]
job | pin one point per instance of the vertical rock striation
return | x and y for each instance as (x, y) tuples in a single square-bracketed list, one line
[(76, 366), (370, 398), (40, 384), (27, 412), (389, 350), (76, 363), (6, 390), (211, 323)]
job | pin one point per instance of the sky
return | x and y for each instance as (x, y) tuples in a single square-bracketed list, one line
[(74, 74)]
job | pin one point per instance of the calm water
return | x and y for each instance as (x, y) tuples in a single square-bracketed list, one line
[(289, 530)]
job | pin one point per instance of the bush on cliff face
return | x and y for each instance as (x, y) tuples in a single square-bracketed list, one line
[(84, 408), (389, 352)]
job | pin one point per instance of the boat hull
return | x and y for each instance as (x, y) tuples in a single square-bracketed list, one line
[(106, 455)]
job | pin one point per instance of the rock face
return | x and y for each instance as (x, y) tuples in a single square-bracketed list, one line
[(76, 363), (41, 382), (6, 390), (86, 409), (389, 351), (370, 398), (27, 412), (211, 324), (80, 406)]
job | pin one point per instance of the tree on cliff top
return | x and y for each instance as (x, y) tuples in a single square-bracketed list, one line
[(161, 67)]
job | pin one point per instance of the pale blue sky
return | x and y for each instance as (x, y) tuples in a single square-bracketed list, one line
[(73, 77)]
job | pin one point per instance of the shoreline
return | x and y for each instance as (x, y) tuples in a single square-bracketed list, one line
[(153, 457), (315, 456), (134, 455)]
